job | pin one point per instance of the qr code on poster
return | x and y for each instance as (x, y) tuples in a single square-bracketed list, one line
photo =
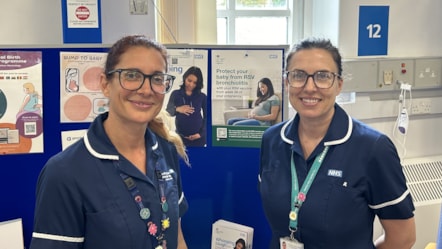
[(30, 128), (221, 133)]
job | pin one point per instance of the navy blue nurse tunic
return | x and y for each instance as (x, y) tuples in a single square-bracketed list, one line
[(82, 202), (360, 177)]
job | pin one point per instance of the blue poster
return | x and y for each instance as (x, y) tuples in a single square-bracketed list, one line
[(373, 30)]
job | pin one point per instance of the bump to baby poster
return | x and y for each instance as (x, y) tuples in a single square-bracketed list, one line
[(80, 93), (21, 102)]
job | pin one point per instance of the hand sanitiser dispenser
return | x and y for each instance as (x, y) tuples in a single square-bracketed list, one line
[(403, 121)]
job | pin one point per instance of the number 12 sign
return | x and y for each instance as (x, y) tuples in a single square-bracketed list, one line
[(373, 30)]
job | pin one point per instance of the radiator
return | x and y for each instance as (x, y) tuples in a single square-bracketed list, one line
[(424, 179)]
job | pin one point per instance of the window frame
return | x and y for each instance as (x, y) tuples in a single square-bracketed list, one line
[(293, 15)]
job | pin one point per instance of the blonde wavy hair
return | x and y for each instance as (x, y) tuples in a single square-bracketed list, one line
[(160, 125)]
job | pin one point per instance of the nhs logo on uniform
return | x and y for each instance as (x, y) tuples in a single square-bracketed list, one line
[(334, 173)]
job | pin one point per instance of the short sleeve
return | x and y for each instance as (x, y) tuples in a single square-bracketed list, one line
[(274, 100), (389, 195), (57, 211)]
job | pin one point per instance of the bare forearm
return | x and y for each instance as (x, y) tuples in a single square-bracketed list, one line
[(399, 234), (181, 242)]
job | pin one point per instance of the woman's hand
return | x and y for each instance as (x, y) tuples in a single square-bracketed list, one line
[(185, 109), (193, 137), (251, 115)]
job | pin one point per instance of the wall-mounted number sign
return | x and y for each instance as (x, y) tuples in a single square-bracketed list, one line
[(373, 30)]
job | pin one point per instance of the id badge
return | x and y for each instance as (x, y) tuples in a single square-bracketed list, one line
[(287, 243)]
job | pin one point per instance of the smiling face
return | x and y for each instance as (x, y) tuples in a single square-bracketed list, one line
[(263, 88), (309, 101), (142, 105), (239, 246)]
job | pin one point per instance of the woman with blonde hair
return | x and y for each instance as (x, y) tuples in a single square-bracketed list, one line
[(119, 186)]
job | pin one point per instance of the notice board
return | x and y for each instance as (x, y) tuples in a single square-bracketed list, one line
[(222, 180)]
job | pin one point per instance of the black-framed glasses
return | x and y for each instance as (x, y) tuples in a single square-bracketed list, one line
[(322, 79), (133, 79)]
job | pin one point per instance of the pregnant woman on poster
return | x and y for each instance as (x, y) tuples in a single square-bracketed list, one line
[(265, 107), (31, 101), (189, 106)]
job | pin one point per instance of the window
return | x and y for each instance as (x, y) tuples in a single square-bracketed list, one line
[(254, 22)]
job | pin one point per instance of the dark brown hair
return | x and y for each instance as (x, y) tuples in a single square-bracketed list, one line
[(270, 91), (319, 43)]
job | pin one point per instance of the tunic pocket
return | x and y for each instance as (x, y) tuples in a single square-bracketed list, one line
[(106, 229)]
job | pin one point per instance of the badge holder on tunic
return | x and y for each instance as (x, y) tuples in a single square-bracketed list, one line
[(145, 214)]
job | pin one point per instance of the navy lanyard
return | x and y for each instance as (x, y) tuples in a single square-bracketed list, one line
[(145, 214), (184, 102), (298, 197)]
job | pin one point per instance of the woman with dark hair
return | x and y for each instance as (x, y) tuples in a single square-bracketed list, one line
[(189, 106), (265, 107), (324, 176), (240, 244)]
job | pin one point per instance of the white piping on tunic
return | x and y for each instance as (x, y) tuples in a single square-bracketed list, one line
[(339, 141), (103, 156), (155, 146), (58, 237), (392, 202), (96, 154), (181, 198), (328, 143), (346, 137), (284, 138)]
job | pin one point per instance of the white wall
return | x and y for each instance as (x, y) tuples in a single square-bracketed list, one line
[(30, 22), (415, 27), (39, 23), (415, 30), (117, 20), (322, 19)]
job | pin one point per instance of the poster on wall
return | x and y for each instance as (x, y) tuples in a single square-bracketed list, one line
[(21, 102), (81, 99), (81, 21), (186, 104), (82, 13), (246, 95)]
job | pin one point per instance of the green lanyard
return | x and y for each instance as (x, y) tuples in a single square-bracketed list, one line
[(298, 197)]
